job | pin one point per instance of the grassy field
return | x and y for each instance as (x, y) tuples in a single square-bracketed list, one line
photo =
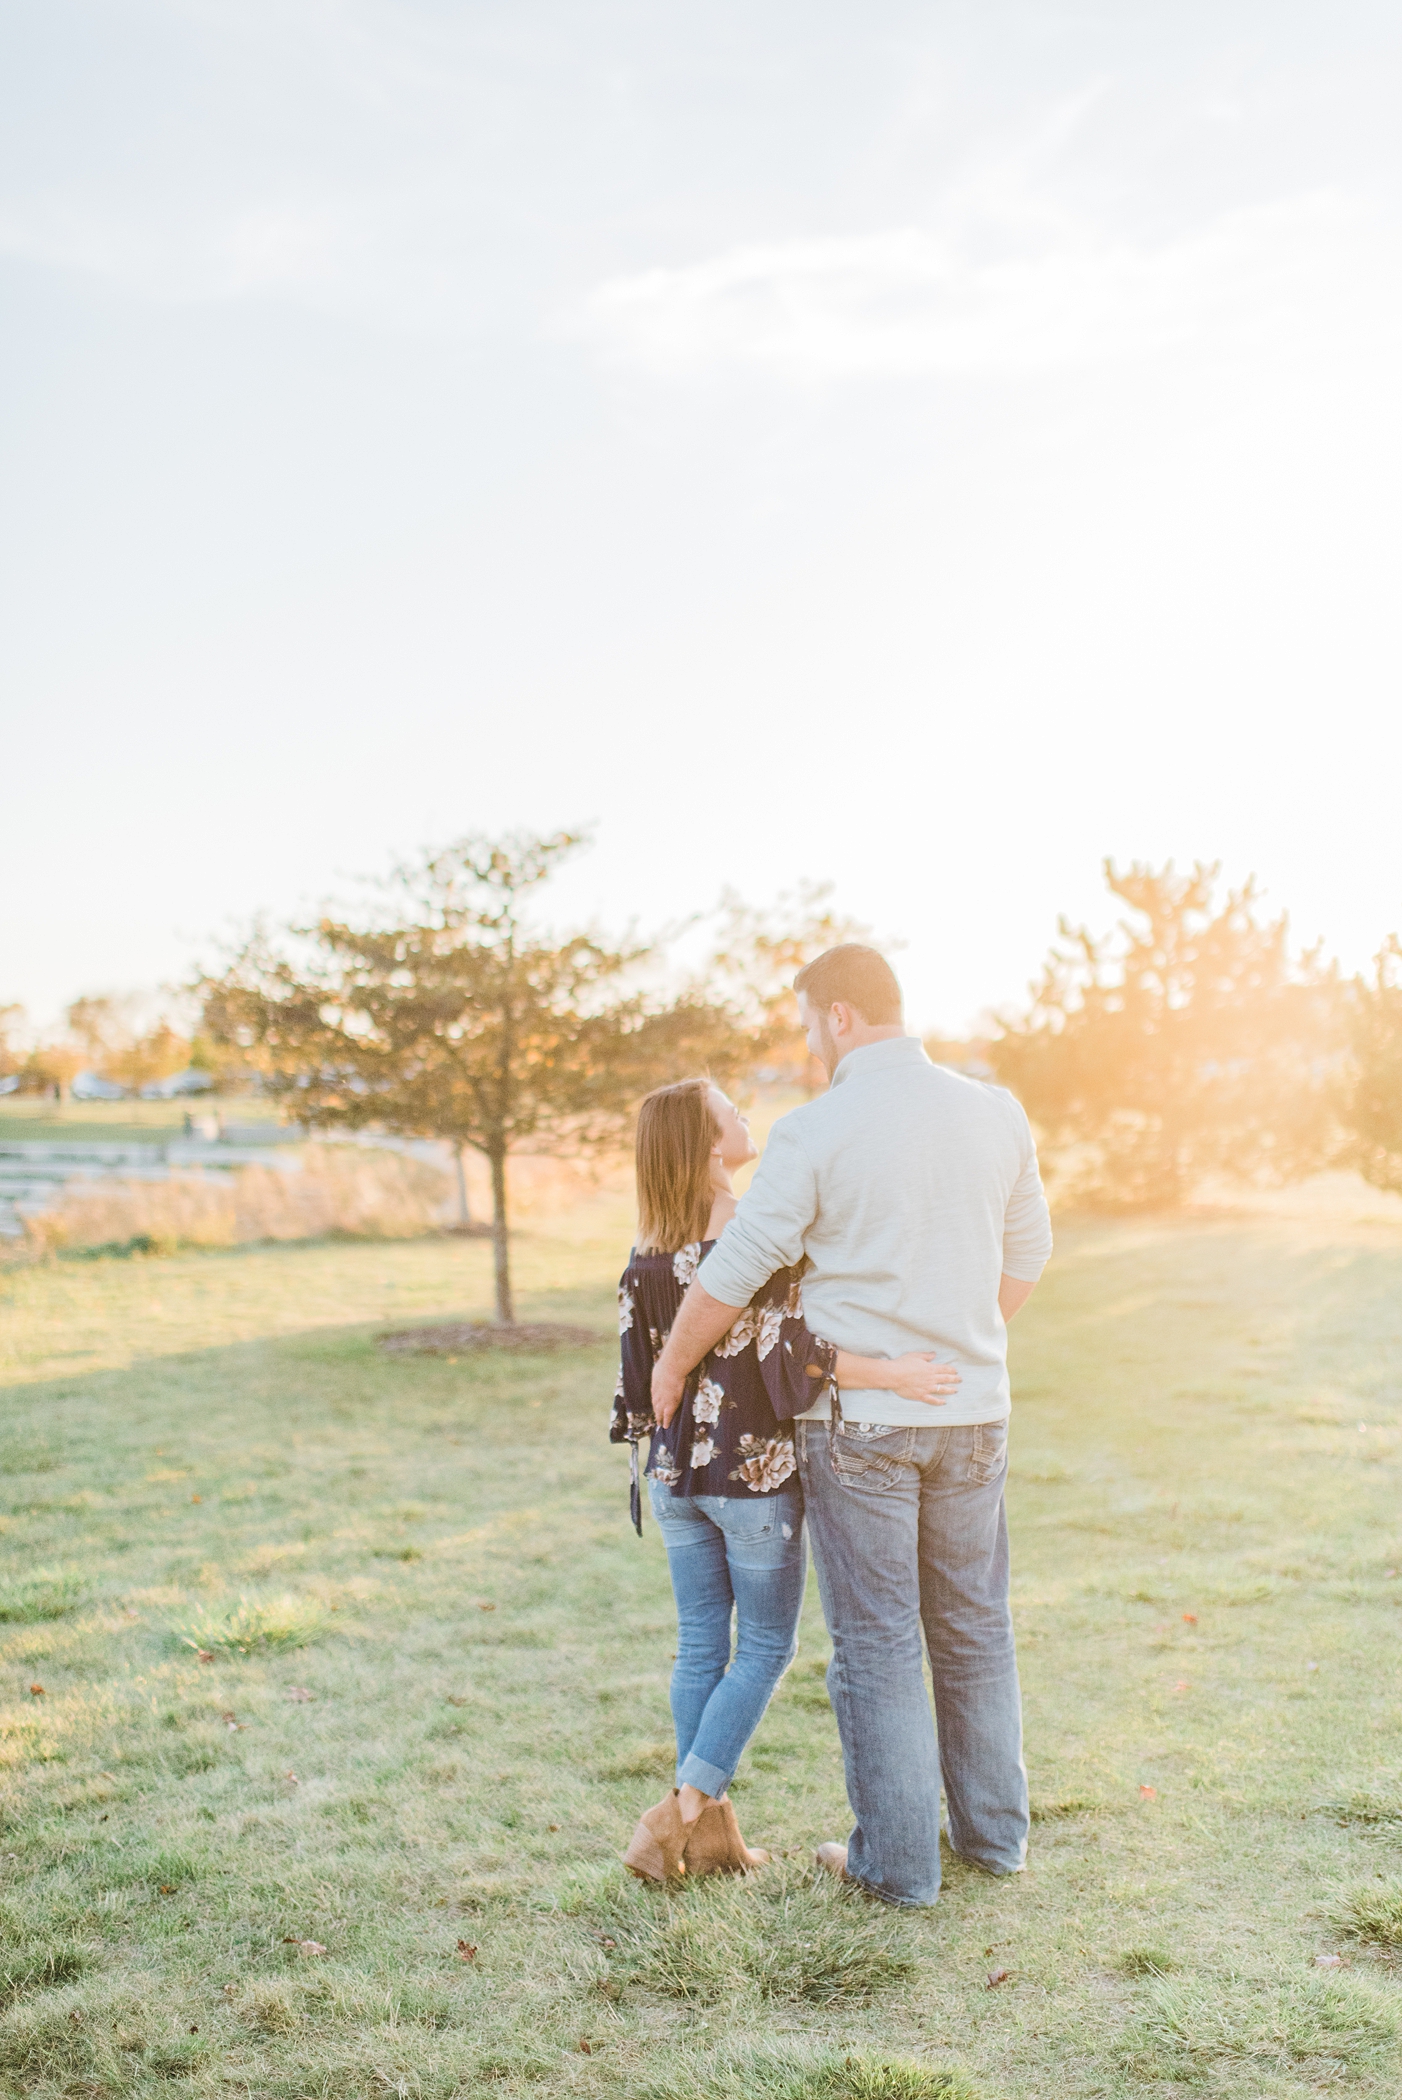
[(29, 1119), (371, 1845)]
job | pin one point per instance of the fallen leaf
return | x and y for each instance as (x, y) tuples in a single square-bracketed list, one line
[(552, 1826), (1150, 1793), (36, 1691), (1190, 1618), (481, 1606), (466, 1951), (196, 1498), (1328, 1961), (311, 1947), (455, 1700), (995, 1977), (167, 1888), (586, 2048), (290, 1939), (300, 1693)]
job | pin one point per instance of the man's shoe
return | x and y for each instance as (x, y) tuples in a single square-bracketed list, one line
[(833, 1857)]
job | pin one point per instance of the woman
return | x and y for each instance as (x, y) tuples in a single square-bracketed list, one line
[(722, 1478)]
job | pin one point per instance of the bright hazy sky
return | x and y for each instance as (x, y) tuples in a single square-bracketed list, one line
[(925, 446)]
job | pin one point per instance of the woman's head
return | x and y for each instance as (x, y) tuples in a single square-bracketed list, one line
[(690, 1135)]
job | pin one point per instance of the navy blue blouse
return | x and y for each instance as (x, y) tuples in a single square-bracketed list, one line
[(732, 1434)]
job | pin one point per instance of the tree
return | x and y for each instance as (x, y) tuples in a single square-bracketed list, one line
[(99, 1026), (1185, 1045), (11, 1030), (1373, 1111), (758, 954), (109, 1033), (449, 1015), (53, 1066)]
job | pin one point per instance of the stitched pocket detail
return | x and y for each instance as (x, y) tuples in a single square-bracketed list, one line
[(989, 1452), (870, 1455)]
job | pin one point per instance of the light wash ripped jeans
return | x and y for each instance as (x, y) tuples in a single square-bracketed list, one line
[(729, 1556), (910, 1537)]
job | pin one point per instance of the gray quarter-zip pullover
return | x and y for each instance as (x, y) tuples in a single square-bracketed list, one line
[(911, 1190)]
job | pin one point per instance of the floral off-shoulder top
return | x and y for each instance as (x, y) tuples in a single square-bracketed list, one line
[(733, 1433)]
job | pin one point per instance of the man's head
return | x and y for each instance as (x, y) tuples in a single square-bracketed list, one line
[(847, 997)]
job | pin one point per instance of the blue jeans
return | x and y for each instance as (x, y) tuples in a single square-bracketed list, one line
[(729, 1555), (909, 1533)]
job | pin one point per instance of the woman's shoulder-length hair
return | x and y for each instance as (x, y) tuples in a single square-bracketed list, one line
[(676, 1133)]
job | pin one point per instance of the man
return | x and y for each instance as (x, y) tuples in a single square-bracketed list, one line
[(914, 1194)]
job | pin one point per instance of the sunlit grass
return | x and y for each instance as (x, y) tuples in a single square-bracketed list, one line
[(1375, 1913), (788, 1936), (254, 1626), (798, 2073), (212, 1449), (32, 1599)]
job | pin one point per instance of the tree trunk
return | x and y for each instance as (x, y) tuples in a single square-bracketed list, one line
[(464, 1207), (506, 1311)]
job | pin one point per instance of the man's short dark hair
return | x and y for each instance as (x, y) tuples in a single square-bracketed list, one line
[(856, 975)]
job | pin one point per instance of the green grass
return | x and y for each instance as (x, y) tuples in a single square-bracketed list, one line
[(258, 1625), (32, 1118), (436, 1700), (1375, 1914)]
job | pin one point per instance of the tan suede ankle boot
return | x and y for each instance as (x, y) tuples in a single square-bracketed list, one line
[(659, 1841), (714, 1844)]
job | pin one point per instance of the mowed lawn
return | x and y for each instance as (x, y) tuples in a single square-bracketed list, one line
[(407, 1882)]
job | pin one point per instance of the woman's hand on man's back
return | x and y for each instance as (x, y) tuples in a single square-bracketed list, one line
[(921, 1378), (913, 1377)]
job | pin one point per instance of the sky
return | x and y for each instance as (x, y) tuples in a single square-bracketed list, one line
[(926, 448)]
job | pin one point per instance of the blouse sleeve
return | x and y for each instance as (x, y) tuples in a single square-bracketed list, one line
[(632, 1398), (797, 1366)]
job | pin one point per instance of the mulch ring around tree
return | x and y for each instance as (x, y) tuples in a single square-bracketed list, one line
[(462, 1336)]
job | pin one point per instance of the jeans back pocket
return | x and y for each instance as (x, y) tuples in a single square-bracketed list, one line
[(869, 1454), (988, 1453)]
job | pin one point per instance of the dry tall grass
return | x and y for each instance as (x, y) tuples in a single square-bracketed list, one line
[(362, 1191)]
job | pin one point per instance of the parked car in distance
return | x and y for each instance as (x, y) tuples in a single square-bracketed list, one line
[(89, 1086), (187, 1082)]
